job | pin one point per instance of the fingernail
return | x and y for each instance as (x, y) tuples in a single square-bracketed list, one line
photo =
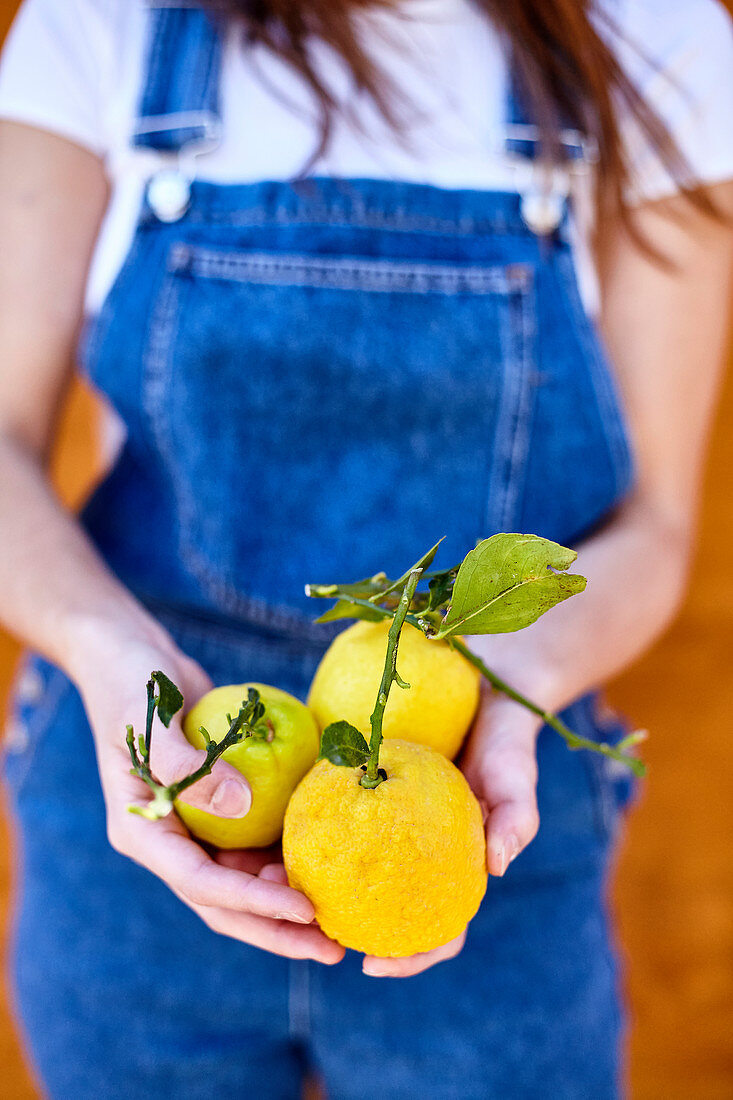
[(373, 970), (231, 799), (502, 858), (505, 851), (293, 916)]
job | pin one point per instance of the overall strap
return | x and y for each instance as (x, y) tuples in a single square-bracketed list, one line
[(522, 135), (179, 105), (545, 184)]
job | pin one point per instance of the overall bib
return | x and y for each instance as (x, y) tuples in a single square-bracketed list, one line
[(319, 379)]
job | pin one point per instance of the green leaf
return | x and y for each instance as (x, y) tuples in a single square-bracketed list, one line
[(507, 582), (170, 699), (343, 745), (376, 589), (345, 609), (440, 588), (363, 589)]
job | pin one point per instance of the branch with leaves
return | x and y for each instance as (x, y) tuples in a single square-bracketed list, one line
[(167, 701), (503, 585)]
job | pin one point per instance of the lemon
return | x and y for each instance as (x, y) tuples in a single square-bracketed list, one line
[(439, 706), (272, 767), (394, 870)]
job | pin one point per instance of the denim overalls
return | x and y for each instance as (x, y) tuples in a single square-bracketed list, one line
[(318, 379)]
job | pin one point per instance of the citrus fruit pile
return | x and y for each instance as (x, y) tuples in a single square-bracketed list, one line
[(386, 839)]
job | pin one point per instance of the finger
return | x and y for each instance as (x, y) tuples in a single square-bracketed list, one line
[(224, 792), (279, 937), (166, 849), (376, 967), (501, 766), (251, 860), (265, 862), (513, 815), (274, 872)]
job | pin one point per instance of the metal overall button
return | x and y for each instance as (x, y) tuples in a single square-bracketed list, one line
[(543, 198), (545, 184), (542, 211), (169, 194)]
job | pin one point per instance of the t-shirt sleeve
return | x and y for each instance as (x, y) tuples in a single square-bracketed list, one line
[(52, 69), (679, 54)]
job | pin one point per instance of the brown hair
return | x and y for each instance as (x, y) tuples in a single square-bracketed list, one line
[(568, 71)]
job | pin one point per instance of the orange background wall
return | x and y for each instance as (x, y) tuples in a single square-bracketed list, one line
[(674, 889)]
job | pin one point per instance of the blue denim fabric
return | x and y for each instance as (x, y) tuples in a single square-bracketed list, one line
[(180, 101), (319, 379)]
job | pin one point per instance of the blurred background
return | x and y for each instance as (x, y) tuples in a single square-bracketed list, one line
[(673, 896)]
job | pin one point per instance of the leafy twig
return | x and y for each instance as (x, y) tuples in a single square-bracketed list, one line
[(363, 599), (249, 722), (572, 740)]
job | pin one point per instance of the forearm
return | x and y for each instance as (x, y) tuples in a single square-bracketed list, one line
[(636, 569), (58, 595)]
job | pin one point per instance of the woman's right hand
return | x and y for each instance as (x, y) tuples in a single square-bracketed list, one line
[(243, 895)]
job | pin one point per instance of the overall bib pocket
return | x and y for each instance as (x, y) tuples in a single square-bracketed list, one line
[(322, 417)]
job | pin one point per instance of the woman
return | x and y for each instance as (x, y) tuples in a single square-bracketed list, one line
[(327, 263)]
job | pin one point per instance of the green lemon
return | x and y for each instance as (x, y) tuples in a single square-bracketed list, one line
[(273, 765)]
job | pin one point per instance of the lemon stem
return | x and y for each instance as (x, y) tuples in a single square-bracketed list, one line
[(572, 740), (373, 777), (247, 723), (152, 703)]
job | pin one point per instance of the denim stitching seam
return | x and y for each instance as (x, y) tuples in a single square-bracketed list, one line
[(351, 274), (512, 431), (312, 215), (521, 434), (599, 373)]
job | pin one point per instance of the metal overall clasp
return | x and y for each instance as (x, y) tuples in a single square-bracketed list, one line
[(546, 184), (168, 190)]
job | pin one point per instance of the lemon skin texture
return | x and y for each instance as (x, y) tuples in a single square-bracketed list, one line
[(272, 768), (436, 710), (391, 871)]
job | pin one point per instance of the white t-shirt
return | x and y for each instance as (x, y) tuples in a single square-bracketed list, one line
[(75, 67)]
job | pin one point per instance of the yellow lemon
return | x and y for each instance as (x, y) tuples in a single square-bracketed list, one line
[(273, 766), (436, 710), (394, 870)]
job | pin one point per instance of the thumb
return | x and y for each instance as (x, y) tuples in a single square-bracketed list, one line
[(500, 764), (225, 792)]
